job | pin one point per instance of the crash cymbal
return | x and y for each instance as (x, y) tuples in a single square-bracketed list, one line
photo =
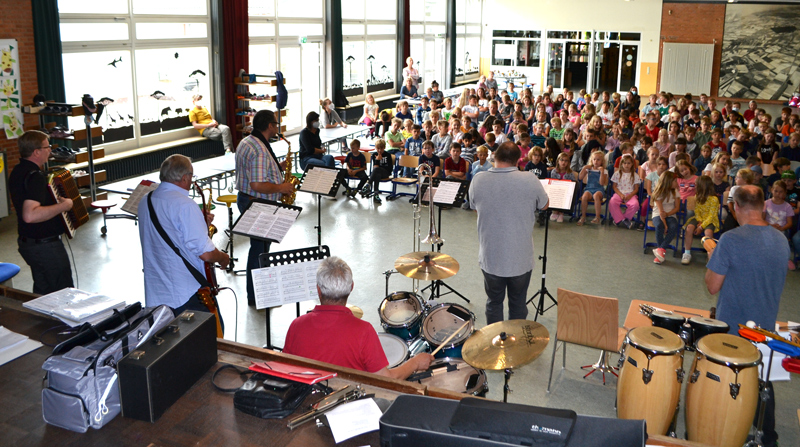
[(357, 312), (426, 266), (505, 344)]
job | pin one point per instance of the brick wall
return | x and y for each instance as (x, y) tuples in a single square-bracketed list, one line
[(694, 23), (16, 22)]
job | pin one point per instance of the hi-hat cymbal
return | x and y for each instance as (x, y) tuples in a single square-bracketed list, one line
[(426, 266), (505, 344), (357, 312)]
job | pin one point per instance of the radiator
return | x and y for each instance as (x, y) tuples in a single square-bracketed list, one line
[(144, 163)]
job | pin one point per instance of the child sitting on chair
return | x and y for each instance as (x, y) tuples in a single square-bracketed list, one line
[(561, 172), (625, 182), (665, 206), (482, 163), (455, 167), (595, 177), (382, 166), (356, 164), (430, 159), (780, 214), (705, 219), (536, 164)]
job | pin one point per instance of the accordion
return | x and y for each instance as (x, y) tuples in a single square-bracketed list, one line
[(62, 186)]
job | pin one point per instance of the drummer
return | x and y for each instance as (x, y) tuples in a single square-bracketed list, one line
[(748, 269), (330, 333)]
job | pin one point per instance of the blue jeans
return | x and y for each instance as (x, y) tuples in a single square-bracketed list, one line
[(327, 161), (496, 287), (663, 240), (257, 247)]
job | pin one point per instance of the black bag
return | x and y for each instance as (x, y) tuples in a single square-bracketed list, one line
[(266, 396)]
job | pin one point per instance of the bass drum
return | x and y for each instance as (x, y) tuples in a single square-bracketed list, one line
[(395, 348), (401, 314), (722, 394), (650, 377), (454, 375), (439, 323)]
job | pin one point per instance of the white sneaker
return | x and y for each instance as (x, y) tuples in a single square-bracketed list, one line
[(560, 217), (553, 217), (686, 259), (660, 254)]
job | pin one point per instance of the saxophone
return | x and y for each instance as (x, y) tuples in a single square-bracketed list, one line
[(288, 177)]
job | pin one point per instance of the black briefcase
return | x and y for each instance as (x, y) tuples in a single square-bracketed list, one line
[(160, 371)]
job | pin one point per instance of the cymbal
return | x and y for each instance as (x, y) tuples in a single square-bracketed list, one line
[(426, 266), (357, 312), (505, 344)]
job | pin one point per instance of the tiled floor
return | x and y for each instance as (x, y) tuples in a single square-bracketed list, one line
[(604, 261)]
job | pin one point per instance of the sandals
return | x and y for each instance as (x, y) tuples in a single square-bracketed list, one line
[(596, 221), (581, 221)]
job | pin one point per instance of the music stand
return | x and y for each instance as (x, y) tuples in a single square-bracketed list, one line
[(321, 181), (266, 220), (561, 194), (453, 193), (289, 257)]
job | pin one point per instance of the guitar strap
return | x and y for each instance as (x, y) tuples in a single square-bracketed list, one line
[(192, 269)]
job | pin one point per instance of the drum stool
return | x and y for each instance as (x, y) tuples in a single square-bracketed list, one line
[(7, 272), (229, 200), (104, 206)]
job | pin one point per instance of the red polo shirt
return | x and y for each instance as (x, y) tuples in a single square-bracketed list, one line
[(332, 334)]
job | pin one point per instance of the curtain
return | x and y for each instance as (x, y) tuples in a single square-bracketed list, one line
[(236, 55), (49, 65)]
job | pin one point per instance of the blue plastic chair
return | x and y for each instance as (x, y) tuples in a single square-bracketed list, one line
[(8, 271)]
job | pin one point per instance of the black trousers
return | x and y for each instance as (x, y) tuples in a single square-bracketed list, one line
[(378, 173), (49, 265), (256, 248)]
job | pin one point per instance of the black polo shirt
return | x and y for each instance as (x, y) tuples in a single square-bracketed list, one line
[(28, 182), (308, 142)]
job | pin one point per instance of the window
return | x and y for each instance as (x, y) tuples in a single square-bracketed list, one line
[(369, 48), (514, 48), (170, 63), (428, 27), (468, 39), (276, 28)]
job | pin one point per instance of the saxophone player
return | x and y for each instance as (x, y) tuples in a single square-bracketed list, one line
[(259, 175)]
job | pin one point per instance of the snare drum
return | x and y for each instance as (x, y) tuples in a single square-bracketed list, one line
[(667, 320), (418, 345), (722, 394), (395, 349), (454, 375), (650, 377), (702, 326), (438, 324), (401, 314)]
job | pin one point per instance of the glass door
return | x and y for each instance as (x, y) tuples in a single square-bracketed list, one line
[(433, 68), (629, 61), (576, 65), (311, 90), (606, 64), (555, 65)]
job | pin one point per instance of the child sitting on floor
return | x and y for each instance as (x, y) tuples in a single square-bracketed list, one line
[(705, 219)]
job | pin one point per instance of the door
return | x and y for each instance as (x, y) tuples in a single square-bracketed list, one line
[(311, 90), (629, 63), (606, 64), (301, 65), (555, 65)]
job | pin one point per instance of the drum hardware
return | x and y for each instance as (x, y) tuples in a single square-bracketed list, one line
[(506, 345)]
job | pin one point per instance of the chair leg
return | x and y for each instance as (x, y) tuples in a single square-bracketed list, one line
[(602, 366), (564, 355), (552, 363)]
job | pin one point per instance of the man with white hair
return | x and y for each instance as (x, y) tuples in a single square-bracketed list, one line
[(330, 333)]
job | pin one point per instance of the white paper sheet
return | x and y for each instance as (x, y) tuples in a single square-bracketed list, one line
[(560, 192), (354, 418), (132, 204), (319, 180), (446, 192), (266, 221), (284, 284)]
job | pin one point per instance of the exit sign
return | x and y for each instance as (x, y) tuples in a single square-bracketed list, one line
[(303, 39)]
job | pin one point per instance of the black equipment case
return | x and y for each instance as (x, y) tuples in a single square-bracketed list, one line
[(161, 370), (413, 421)]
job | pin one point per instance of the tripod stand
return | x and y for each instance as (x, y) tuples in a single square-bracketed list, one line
[(540, 309), (436, 285)]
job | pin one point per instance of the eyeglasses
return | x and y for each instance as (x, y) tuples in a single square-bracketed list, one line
[(45, 147)]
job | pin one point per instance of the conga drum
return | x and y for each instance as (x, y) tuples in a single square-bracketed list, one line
[(649, 384), (722, 394)]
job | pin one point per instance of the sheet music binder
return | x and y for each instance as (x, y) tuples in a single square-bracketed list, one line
[(560, 206), (237, 230), (460, 195), (313, 171), (290, 257)]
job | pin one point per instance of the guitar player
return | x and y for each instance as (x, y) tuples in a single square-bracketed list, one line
[(38, 216), (167, 278)]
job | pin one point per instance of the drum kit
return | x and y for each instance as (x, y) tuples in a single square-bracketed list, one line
[(722, 387)]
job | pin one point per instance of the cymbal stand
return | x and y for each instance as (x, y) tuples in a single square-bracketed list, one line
[(388, 273), (506, 389), (540, 309), (436, 285)]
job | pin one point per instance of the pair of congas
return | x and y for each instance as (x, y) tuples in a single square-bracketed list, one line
[(721, 392)]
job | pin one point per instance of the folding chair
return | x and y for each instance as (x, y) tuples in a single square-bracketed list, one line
[(590, 321), (406, 161)]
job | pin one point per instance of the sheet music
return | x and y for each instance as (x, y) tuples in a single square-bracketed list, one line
[(284, 284), (142, 189), (446, 192), (319, 180), (560, 192), (266, 221), (73, 306)]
